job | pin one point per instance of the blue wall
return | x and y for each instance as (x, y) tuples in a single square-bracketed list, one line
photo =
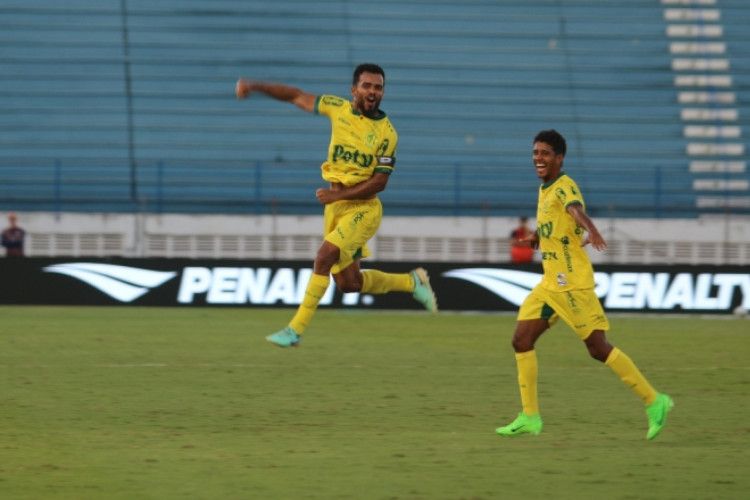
[(112, 109)]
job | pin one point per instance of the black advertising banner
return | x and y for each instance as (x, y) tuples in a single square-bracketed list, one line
[(258, 283)]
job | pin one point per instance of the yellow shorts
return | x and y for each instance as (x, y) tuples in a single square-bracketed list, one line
[(349, 225), (580, 309)]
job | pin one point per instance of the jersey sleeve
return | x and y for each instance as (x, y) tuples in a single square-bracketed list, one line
[(385, 165), (328, 104), (386, 155), (568, 194)]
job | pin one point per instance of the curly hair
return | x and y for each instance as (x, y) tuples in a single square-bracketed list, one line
[(369, 68), (554, 139)]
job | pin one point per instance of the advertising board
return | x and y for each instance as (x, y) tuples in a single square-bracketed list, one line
[(458, 286)]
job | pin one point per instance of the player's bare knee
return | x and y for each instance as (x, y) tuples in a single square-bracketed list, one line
[(598, 355), (348, 283), (599, 351), (521, 344), (598, 345), (350, 287)]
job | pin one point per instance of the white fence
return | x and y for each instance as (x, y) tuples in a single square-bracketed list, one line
[(710, 240)]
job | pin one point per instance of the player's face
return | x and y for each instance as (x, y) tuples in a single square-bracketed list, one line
[(368, 93), (548, 164)]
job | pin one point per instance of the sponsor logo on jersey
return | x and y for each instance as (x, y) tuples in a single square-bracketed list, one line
[(549, 255), (333, 101), (340, 153), (383, 148), (566, 253)]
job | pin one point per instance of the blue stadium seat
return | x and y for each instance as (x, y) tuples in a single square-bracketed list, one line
[(92, 124)]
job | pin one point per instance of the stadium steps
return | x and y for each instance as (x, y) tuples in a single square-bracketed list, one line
[(469, 84)]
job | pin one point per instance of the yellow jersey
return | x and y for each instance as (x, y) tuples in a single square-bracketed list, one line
[(565, 262), (360, 146)]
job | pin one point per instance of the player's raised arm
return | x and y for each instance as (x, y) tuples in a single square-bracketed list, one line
[(279, 91)]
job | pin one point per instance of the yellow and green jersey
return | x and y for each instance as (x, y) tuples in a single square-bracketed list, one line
[(360, 146), (565, 262)]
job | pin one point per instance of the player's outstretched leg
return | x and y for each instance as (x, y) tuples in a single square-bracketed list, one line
[(657, 414), (285, 338), (423, 291), (524, 424)]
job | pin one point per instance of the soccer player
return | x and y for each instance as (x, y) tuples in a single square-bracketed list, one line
[(361, 157), (567, 292)]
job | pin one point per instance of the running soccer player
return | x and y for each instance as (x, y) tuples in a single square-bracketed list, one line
[(361, 158), (567, 292)]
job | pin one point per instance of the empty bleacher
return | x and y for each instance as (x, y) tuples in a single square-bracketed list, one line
[(130, 106)]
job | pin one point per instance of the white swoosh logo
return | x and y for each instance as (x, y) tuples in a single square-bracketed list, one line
[(512, 286), (120, 282)]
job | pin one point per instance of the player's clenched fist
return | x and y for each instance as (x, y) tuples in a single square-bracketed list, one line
[(242, 89)]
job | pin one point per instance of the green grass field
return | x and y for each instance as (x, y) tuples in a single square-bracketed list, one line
[(140, 403)]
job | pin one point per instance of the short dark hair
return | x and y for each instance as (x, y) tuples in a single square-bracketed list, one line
[(554, 139), (368, 68)]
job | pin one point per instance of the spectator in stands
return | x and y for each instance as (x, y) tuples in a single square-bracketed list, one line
[(13, 237), (567, 291), (361, 157), (521, 250)]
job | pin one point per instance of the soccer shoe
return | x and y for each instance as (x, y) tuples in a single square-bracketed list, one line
[(657, 414), (285, 338), (423, 291), (524, 424)]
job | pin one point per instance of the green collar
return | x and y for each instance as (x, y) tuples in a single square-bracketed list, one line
[(562, 174)]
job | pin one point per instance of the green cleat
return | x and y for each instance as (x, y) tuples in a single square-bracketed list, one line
[(423, 291), (285, 338), (524, 424), (657, 414)]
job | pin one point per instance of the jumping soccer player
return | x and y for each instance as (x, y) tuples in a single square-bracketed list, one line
[(361, 157), (567, 292)]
